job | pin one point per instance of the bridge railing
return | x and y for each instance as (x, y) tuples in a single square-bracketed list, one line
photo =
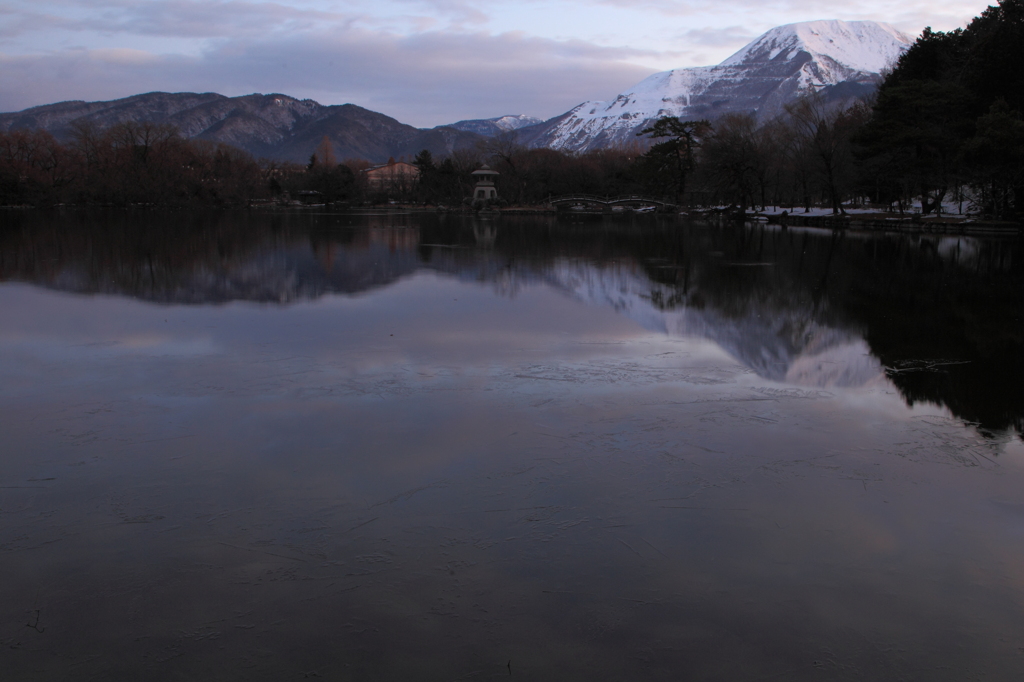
[(577, 197), (595, 199)]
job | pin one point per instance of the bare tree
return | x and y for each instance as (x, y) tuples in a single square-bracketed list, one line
[(824, 132), (732, 160), (324, 154), (505, 152)]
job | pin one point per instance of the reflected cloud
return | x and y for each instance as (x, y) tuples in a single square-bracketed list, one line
[(43, 347)]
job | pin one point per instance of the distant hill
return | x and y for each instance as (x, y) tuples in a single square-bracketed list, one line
[(272, 126), (489, 127)]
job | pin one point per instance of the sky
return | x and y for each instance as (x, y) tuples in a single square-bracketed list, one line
[(424, 62)]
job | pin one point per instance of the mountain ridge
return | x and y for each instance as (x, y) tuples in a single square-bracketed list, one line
[(490, 127), (274, 126), (839, 60)]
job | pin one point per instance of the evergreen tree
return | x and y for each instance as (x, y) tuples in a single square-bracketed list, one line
[(934, 113), (666, 165)]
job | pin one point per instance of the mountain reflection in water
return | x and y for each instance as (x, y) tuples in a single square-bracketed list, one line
[(411, 446), (939, 316)]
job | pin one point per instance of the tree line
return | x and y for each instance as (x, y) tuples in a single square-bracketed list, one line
[(948, 118), (803, 159), (734, 162), (944, 125), (129, 163)]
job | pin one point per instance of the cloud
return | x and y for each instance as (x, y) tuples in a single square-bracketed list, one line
[(706, 46), (19, 21), (426, 79), (223, 19), (717, 37), (173, 18), (459, 12), (422, 61), (908, 15), (672, 8)]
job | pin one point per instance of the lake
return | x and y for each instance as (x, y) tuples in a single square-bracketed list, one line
[(394, 446)]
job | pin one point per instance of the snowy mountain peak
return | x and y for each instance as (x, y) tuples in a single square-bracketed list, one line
[(514, 122), (494, 126), (867, 46), (777, 68)]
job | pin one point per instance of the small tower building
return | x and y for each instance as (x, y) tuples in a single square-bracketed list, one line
[(484, 188)]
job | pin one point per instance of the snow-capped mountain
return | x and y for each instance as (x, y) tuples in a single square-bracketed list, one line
[(839, 59), (494, 126)]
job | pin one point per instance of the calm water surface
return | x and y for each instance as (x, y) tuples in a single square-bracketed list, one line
[(417, 447)]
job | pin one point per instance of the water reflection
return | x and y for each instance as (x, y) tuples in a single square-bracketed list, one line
[(938, 316), (393, 447)]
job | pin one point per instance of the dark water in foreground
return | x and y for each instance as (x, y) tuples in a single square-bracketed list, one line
[(377, 447)]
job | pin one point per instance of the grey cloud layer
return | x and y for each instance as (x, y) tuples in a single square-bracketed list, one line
[(225, 19), (374, 53), (235, 18), (731, 36), (171, 18), (908, 15), (424, 80)]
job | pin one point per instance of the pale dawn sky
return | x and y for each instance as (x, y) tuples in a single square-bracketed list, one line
[(424, 62)]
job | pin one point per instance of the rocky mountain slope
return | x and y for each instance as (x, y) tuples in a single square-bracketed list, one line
[(840, 60), (273, 126)]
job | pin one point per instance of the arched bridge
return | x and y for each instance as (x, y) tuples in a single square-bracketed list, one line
[(606, 203)]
